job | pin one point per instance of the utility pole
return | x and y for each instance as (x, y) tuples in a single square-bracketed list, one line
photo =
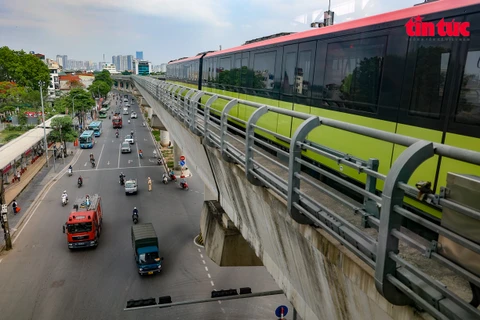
[(4, 218), (40, 83)]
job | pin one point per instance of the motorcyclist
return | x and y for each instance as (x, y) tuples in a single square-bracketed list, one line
[(117, 133), (92, 158), (165, 177), (135, 211), (65, 195), (80, 180), (183, 182), (70, 169), (140, 153), (122, 178), (131, 133)]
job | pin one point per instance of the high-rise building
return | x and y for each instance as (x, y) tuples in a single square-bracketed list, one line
[(163, 67), (129, 62), (139, 55), (142, 67)]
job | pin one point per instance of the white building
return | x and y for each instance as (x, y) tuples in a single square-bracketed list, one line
[(54, 82), (110, 67), (163, 67)]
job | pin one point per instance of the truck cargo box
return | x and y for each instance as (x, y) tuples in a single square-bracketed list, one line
[(143, 235)]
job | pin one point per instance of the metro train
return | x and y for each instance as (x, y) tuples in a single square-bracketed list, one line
[(414, 72)]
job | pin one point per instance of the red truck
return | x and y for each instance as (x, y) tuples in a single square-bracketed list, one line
[(117, 121), (84, 225)]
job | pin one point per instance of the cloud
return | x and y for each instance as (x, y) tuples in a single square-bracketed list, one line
[(207, 12)]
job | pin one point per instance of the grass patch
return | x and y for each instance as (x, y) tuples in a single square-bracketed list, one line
[(156, 134)]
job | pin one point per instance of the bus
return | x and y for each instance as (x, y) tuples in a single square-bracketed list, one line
[(102, 114), (96, 126), (87, 139)]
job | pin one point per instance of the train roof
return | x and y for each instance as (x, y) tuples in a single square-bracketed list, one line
[(423, 9)]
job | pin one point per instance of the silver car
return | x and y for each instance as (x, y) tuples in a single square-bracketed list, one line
[(131, 186), (126, 147)]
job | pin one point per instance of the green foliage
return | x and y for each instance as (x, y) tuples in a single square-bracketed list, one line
[(7, 109), (156, 134), (99, 86), (11, 136), (81, 98), (63, 132), (10, 93), (23, 68), (22, 118), (105, 77), (126, 73)]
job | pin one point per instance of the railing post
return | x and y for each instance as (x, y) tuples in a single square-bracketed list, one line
[(186, 101), (193, 111), (401, 171), (369, 205), (249, 143), (224, 129), (206, 120), (178, 101), (294, 167)]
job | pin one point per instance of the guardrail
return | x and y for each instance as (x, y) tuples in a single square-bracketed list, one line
[(398, 280)]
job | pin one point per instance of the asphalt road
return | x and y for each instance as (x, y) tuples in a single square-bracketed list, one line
[(41, 279)]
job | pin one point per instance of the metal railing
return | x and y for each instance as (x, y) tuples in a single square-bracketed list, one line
[(398, 280)]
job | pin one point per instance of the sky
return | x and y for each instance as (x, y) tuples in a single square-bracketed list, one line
[(163, 29)]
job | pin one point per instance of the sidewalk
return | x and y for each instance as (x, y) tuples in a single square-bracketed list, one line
[(33, 181)]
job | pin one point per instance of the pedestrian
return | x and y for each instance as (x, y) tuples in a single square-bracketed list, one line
[(18, 176), (149, 181)]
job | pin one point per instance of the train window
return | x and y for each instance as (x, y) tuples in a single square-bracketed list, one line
[(288, 76), (246, 75), (224, 70), (352, 73), (214, 70), (303, 72), (468, 110), (264, 70), (431, 64)]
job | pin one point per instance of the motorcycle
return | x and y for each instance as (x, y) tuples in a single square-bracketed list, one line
[(140, 154), (184, 185), (93, 163), (70, 172), (173, 177), (159, 161), (64, 201), (122, 181), (135, 218), (79, 183), (165, 180), (116, 134)]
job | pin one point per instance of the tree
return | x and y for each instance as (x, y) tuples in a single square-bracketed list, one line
[(126, 73), (80, 99), (22, 68), (10, 93), (99, 86), (63, 132), (22, 118), (75, 84), (105, 77)]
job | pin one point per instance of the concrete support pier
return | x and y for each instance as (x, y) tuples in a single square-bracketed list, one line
[(164, 138), (224, 244), (177, 152)]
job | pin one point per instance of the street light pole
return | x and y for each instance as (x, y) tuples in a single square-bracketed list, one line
[(40, 83)]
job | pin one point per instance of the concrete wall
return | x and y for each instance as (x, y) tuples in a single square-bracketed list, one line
[(321, 278)]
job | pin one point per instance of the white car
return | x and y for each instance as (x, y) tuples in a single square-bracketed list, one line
[(129, 139), (133, 115), (131, 186), (126, 147)]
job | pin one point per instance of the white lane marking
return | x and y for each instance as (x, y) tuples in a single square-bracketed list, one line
[(201, 256), (119, 151), (206, 269), (213, 284), (144, 139), (130, 161), (199, 250), (122, 168), (203, 261), (108, 163), (85, 164), (219, 302), (209, 276), (138, 155), (223, 310), (100, 156)]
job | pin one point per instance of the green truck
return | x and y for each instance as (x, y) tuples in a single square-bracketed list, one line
[(145, 245)]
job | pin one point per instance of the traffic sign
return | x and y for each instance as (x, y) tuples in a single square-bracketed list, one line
[(182, 158), (281, 311), (182, 163), (4, 208)]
